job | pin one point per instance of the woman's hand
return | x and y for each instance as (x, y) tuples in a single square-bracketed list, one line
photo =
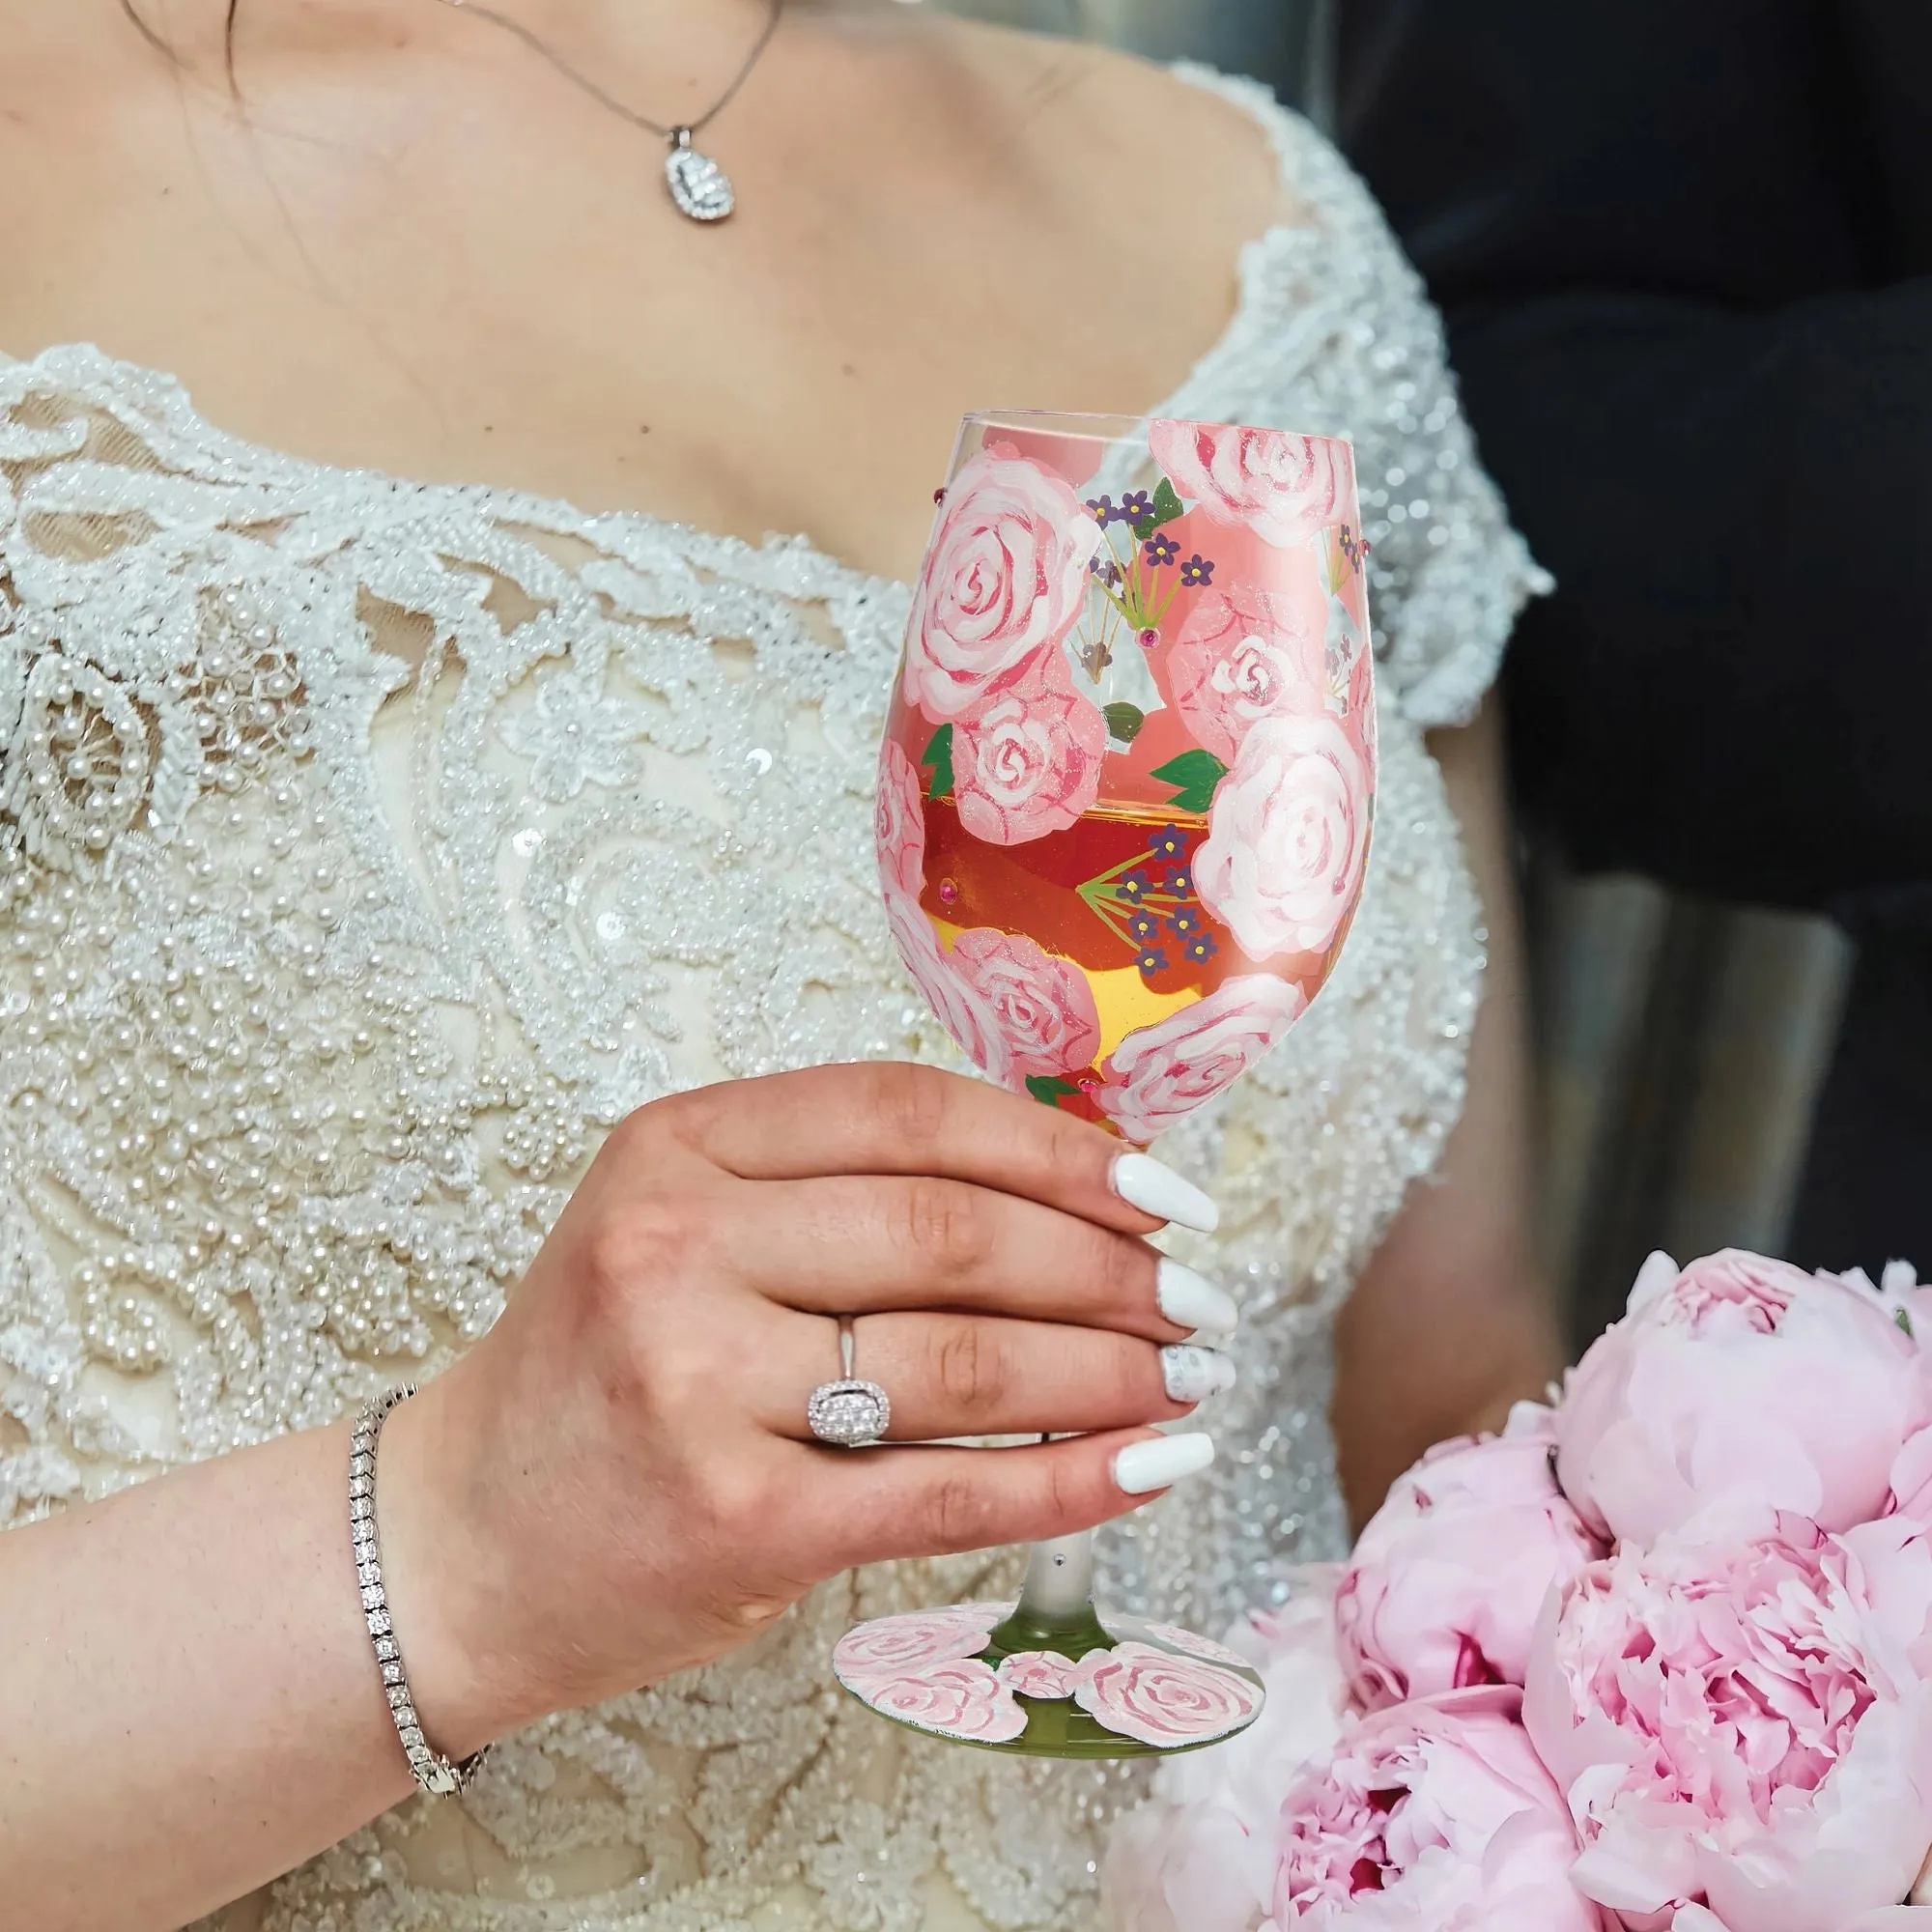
[(619, 1482)]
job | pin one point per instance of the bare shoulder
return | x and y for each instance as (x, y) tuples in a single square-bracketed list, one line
[(81, 95), (1170, 145)]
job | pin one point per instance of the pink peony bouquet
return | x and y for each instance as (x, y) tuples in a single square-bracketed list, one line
[(1655, 1659)]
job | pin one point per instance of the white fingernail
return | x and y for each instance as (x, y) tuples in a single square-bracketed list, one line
[(1154, 1188), (1192, 1374), (1190, 1300), (1152, 1464)]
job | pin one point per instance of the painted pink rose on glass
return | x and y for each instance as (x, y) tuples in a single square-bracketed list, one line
[(969, 1018), (1243, 655), (1283, 487), (1158, 1075), (892, 1646), (1742, 1720), (898, 824), (1041, 1674), (1162, 1699), (1027, 761), (1288, 838), (1043, 1005), (963, 1699), (1003, 580), (1194, 1644)]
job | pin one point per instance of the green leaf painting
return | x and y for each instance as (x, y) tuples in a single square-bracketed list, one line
[(1166, 507), (1048, 1088), (938, 755), (1194, 774), (1123, 721)]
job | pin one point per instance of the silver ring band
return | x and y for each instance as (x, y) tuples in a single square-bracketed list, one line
[(849, 1413)]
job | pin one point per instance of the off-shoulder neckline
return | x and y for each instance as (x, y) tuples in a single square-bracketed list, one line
[(1289, 137)]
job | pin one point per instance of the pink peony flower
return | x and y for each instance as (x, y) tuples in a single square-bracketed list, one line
[(1040, 1673), (1739, 1377), (1003, 580), (890, 1646), (1243, 655), (1161, 1073), (1200, 1856), (1431, 1816), (1739, 1717), (1160, 1698), (1288, 837), (1446, 1583), (1283, 487), (1025, 759), (960, 1700)]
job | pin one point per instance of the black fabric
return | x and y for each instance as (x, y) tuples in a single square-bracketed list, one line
[(1684, 253)]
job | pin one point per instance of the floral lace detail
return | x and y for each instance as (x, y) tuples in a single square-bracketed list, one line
[(368, 849)]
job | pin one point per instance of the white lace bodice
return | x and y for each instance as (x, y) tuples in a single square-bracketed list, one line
[(368, 848)]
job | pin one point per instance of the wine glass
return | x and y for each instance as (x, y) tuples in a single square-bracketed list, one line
[(1125, 802)]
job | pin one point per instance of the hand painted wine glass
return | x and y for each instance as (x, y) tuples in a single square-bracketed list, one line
[(1124, 814)]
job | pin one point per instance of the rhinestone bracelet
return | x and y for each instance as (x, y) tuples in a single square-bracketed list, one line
[(430, 1769)]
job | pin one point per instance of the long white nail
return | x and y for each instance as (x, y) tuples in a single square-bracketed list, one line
[(1161, 1460), (1190, 1300), (1192, 1374), (1154, 1188)]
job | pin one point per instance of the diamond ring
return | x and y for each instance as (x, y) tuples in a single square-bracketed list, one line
[(850, 1413)]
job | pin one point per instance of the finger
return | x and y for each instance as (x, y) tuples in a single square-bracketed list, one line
[(891, 1118), (970, 1374), (851, 1244), (939, 1501)]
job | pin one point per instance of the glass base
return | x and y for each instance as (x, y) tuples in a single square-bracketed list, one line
[(1082, 1684)]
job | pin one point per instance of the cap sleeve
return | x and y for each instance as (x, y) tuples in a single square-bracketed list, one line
[(1334, 336)]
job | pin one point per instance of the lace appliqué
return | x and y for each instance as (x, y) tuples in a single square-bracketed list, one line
[(366, 850)]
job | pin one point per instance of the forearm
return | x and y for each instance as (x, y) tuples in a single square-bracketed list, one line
[(188, 1702), (1450, 1322)]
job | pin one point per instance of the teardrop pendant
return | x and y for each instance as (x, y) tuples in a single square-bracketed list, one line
[(698, 185)]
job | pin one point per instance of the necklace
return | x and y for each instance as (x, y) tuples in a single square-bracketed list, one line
[(699, 187)]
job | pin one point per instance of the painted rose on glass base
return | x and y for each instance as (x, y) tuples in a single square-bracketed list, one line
[(1125, 805)]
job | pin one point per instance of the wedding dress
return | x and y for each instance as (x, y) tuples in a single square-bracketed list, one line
[(368, 848)]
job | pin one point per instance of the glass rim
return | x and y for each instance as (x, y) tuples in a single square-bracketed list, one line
[(1101, 426)]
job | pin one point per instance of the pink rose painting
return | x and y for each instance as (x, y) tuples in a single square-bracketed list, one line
[(1245, 654), (1041, 1674), (1161, 1073), (1043, 1006), (1004, 579), (1288, 837), (1285, 488), (1025, 759), (898, 826), (1159, 1698), (892, 1646), (963, 1699)]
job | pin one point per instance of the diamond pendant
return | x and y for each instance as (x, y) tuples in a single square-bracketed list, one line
[(699, 186)]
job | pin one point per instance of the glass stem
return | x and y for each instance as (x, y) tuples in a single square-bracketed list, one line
[(1059, 1580)]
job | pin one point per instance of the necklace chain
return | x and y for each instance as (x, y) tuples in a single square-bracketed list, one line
[(679, 132)]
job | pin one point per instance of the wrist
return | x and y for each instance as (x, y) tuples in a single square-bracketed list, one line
[(443, 1580)]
